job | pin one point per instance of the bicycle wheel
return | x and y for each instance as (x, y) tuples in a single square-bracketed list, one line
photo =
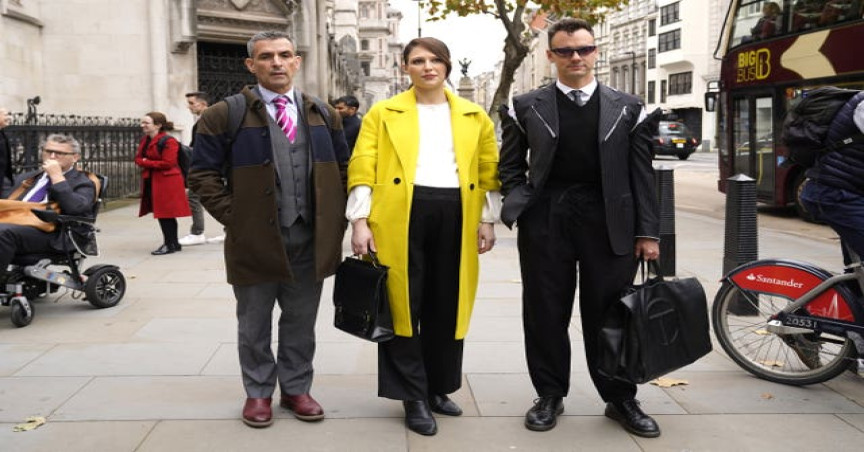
[(740, 320)]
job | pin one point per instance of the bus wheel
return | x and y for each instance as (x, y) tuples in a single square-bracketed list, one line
[(802, 212)]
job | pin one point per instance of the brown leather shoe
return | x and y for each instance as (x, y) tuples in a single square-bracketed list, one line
[(257, 412), (304, 407)]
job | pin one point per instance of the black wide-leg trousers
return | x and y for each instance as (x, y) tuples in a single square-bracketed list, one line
[(430, 361), (562, 234)]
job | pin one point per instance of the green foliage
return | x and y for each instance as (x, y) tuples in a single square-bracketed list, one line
[(590, 10)]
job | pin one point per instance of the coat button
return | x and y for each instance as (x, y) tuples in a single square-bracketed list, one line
[(268, 192), (271, 221), (267, 162), (397, 181), (471, 187)]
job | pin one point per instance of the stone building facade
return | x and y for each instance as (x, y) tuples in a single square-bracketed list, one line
[(125, 58)]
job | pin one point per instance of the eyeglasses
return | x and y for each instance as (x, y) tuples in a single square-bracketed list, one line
[(57, 153), (567, 52)]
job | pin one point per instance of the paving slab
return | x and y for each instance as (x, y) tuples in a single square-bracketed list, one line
[(754, 433), (22, 397), (734, 392), (361, 435), (129, 359), (16, 356), (77, 437)]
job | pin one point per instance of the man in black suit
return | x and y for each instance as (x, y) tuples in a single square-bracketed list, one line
[(584, 199), (57, 181)]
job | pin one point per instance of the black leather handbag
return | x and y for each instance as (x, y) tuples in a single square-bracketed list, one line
[(360, 298), (656, 327)]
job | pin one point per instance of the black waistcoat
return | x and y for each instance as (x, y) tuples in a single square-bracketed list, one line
[(577, 158)]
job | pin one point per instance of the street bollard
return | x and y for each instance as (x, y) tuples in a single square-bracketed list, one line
[(664, 179), (741, 240)]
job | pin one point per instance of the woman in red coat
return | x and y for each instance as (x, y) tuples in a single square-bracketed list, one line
[(162, 187)]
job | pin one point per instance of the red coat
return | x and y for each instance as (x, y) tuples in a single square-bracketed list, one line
[(167, 192)]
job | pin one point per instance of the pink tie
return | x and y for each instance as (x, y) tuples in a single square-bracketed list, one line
[(283, 120)]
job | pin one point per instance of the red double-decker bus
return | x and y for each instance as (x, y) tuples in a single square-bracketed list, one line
[(773, 53)]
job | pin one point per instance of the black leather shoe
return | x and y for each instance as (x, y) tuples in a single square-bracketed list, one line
[(418, 418), (442, 404), (543, 415), (632, 418), (164, 249)]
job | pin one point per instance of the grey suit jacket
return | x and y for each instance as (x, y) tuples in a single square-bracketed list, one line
[(625, 161)]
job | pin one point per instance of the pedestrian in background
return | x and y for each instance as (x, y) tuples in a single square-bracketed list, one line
[(418, 198), (579, 181), (162, 187), (5, 156), (347, 107), (197, 102), (282, 209)]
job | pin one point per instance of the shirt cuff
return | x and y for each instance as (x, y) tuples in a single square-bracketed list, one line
[(492, 207), (359, 203)]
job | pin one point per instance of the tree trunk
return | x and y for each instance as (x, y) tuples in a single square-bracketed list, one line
[(515, 51)]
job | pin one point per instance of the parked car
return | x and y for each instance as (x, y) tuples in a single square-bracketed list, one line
[(674, 138)]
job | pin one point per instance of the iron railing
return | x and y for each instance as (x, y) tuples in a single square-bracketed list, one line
[(108, 146)]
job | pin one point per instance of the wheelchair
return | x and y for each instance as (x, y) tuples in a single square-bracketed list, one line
[(32, 276)]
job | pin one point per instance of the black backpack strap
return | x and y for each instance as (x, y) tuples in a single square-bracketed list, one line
[(160, 145), (236, 113)]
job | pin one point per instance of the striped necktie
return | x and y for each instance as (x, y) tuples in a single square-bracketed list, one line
[(283, 119)]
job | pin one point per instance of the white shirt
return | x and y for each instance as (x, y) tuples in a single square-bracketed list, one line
[(38, 185), (585, 92)]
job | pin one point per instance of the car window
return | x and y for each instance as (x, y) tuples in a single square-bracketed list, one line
[(673, 128)]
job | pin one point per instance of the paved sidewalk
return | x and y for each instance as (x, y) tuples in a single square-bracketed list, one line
[(159, 372)]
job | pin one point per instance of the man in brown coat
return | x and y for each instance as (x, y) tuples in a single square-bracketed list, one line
[(285, 170)]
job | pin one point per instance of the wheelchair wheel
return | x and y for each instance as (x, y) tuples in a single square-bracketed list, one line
[(740, 321), (105, 287), (22, 312)]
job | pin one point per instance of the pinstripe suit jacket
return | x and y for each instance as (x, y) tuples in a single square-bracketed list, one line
[(530, 138)]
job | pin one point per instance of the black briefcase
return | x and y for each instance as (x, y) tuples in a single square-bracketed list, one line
[(360, 298), (655, 328)]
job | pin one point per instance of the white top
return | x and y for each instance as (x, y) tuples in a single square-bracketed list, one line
[(436, 164), (436, 161)]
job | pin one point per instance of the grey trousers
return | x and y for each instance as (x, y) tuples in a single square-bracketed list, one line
[(197, 209), (298, 303)]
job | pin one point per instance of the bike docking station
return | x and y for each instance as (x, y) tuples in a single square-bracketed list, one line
[(664, 181), (741, 238)]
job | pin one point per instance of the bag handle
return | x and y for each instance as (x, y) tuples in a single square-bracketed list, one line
[(372, 255), (646, 267)]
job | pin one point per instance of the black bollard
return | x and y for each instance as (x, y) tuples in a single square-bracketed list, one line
[(664, 179), (741, 243)]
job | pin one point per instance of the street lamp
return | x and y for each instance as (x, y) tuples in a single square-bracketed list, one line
[(632, 71), (419, 22)]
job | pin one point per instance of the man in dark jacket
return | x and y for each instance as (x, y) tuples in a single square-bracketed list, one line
[(834, 191), (347, 107), (58, 181), (285, 186), (5, 155), (585, 204)]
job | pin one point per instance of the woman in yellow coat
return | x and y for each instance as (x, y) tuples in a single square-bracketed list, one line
[(418, 180)]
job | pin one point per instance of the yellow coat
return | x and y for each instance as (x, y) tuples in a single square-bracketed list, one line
[(385, 158)]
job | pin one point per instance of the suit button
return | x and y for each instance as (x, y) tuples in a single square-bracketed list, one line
[(397, 181), (268, 192), (471, 187), (270, 221), (267, 162)]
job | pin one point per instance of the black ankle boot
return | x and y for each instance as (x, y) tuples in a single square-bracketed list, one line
[(418, 418)]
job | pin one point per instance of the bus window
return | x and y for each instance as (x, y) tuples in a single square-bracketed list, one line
[(764, 145), (741, 134)]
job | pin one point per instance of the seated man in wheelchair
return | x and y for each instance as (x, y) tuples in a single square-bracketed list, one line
[(58, 185)]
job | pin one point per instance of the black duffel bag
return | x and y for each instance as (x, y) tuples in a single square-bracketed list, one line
[(361, 301), (656, 327)]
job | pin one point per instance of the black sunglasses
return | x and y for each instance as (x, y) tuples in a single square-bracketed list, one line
[(567, 52)]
